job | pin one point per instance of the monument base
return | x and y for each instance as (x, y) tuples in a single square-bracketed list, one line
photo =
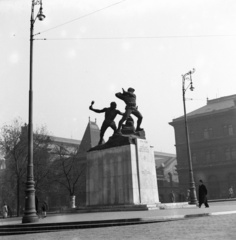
[(118, 208), (122, 177)]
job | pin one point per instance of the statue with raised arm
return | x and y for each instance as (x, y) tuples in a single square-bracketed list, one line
[(110, 114), (130, 99)]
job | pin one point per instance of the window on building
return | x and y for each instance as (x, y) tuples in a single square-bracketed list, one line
[(180, 137), (231, 179), (214, 187), (2, 164), (208, 156), (227, 154), (171, 179), (225, 130), (211, 156), (210, 132), (206, 133), (233, 153), (230, 130), (192, 136), (160, 183), (194, 157)]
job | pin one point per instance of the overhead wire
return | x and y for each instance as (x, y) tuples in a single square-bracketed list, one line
[(136, 37), (120, 38), (83, 16)]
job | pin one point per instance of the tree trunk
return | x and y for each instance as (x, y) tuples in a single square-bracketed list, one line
[(18, 198)]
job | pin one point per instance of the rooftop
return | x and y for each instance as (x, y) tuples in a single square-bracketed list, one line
[(214, 106), (65, 140), (164, 159)]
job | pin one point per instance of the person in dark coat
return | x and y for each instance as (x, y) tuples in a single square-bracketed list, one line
[(172, 196), (9, 211), (202, 193), (36, 204), (44, 209)]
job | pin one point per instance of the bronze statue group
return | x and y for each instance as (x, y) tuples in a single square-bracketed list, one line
[(111, 112)]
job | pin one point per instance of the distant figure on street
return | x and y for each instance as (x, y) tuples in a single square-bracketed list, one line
[(36, 204), (9, 211), (172, 197), (231, 192), (44, 209), (188, 196), (181, 196), (4, 210), (110, 114), (130, 99), (202, 192)]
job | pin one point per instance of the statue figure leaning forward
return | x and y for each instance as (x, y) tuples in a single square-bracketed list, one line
[(130, 99), (110, 114)]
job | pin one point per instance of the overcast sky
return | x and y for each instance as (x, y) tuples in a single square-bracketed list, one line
[(94, 48)]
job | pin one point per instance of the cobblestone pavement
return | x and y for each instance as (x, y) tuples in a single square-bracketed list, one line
[(220, 227)]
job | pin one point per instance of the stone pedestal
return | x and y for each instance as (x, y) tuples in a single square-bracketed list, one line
[(122, 176)]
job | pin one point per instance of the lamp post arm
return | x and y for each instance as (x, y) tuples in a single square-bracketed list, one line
[(32, 21)]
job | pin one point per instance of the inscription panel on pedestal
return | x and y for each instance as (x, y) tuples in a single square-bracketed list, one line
[(147, 172)]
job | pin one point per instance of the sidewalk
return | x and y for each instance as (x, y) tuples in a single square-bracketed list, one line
[(59, 222)]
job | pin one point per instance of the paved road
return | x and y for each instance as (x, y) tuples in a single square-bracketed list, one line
[(155, 214), (221, 227)]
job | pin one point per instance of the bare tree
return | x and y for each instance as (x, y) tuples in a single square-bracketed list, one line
[(68, 170), (13, 143), (42, 158)]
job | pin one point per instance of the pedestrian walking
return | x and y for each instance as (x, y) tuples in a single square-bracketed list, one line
[(172, 197), (188, 196), (231, 192), (36, 205), (202, 194), (4, 210), (44, 209), (9, 211)]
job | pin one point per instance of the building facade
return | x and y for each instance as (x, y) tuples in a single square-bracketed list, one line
[(167, 177), (212, 135)]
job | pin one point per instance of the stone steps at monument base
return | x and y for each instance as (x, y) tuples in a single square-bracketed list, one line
[(116, 208), (54, 227), (176, 205)]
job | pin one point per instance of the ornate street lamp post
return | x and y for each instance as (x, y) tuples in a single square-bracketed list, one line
[(185, 77), (30, 211)]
